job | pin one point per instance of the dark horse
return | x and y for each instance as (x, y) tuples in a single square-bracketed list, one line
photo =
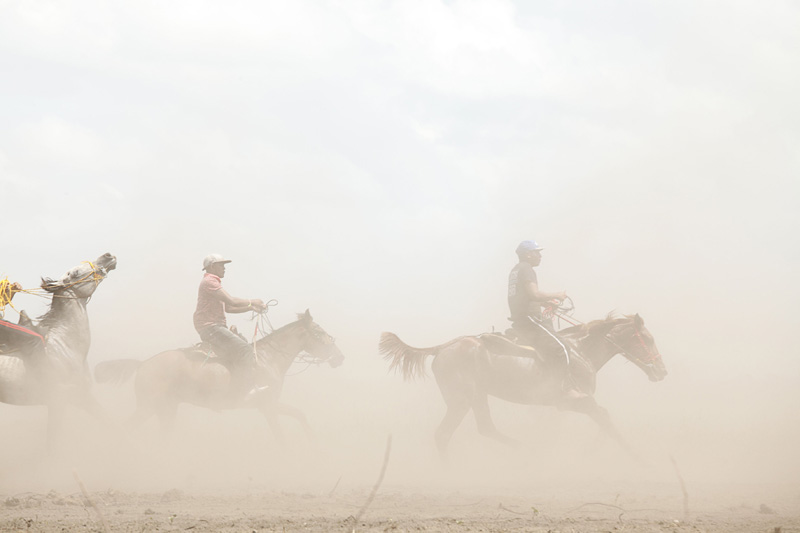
[(470, 369), (191, 376), (54, 373)]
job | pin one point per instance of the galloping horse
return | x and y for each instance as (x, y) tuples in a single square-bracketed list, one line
[(470, 369), (169, 378), (55, 374)]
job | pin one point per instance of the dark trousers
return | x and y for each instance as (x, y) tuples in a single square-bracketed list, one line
[(541, 335)]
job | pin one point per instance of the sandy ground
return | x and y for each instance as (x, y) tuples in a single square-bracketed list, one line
[(224, 471), (632, 508)]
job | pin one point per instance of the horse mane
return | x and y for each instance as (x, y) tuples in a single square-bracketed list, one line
[(603, 324), (52, 316), (300, 318)]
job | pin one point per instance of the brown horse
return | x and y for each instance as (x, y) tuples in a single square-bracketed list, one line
[(470, 369), (191, 376)]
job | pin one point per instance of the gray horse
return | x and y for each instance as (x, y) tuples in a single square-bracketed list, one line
[(55, 373)]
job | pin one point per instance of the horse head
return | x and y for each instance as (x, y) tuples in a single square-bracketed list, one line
[(81, 281), (321, 346), (632, 339)]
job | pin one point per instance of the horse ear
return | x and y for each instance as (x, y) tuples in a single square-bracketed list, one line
[(307, 315), (50, 285), (638, 321)]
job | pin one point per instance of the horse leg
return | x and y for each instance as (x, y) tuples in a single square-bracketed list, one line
[(588, 406), (55, 422), (89, 403), (297, 414), (456, 411), (167, 412), (270, 413), (486, 427)]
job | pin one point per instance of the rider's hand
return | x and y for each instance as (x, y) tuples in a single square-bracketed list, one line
[(258, 304), (13, 289), (561, 296)]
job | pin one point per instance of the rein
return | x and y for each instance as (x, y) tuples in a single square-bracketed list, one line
[(7, 290), (262, 320), (561, 313)]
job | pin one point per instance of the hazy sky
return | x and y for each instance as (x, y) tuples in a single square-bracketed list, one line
[(378, 162)]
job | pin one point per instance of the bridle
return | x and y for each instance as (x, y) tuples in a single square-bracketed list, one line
[(561, 311), (97, 274), (651, 356)]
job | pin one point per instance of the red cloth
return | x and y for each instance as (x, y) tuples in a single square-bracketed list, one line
[(210, 310)]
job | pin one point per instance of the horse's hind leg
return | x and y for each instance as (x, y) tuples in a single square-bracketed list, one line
[(456, 411), (55, 423), (166, 417), (486, 427)]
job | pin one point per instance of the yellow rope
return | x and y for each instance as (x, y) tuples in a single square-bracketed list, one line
[(7, 291)]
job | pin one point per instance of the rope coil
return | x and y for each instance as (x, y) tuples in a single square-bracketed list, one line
[(7, 291)]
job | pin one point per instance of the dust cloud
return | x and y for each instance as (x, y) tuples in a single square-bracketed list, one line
[(378, 166), (725, 417)]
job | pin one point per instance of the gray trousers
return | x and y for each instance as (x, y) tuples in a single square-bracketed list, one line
[(227, 344)]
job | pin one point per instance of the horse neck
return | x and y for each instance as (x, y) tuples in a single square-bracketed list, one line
[(598, 351), (283, 345), (68, 326)]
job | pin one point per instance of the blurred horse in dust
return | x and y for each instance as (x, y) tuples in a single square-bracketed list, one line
[(190, 376), (470, 369)]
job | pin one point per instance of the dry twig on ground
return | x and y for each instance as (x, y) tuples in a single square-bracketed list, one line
[(91, 502), (683, 488), (377, 484)]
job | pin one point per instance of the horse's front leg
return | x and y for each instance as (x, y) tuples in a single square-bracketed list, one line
[(587, 405), (55, 423), (270, 412), (297, 414)]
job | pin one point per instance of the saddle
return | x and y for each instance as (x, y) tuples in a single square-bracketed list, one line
[(507, 343), (202, 351), (19, 337)]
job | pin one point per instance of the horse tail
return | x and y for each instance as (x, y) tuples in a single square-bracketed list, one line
[(406, 358), (117, 371)]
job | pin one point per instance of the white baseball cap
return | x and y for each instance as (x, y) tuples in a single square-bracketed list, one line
[(213, 258)]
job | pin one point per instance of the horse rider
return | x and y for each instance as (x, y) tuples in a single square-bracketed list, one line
[(525, 301), (16, 337), (209, 318)]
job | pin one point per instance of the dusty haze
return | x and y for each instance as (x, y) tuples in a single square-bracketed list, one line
[(378, 164)]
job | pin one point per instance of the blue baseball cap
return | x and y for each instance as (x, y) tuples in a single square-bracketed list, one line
[(528, 246)]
